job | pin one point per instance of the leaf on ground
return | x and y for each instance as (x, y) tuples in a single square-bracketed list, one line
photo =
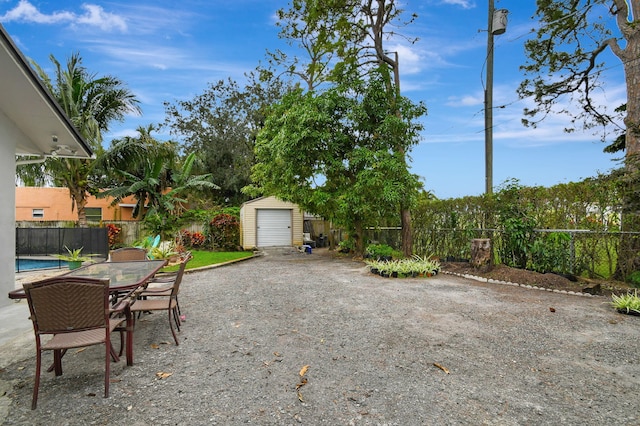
[(302, 383), (300, 398), (155, 346), (163, 375), (303, 370), (278, 354), (441, 367), (112, 380), (80, 350), (552, 309)]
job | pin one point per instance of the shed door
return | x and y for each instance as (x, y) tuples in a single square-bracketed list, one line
[(274, 227)]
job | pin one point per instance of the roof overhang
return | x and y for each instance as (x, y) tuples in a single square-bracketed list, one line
[(26, 102)]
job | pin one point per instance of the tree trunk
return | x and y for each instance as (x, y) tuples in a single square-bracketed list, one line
[(79, 198), (628, 260), (407, 232)]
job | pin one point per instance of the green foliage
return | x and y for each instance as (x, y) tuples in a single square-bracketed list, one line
[(407, 267), (634, 278), (92, 103), (337, 153), (223, 232), (378, 251), (220, 125), (628, 303), (551, 253), (515, 216), (446, 227), (73, 255)]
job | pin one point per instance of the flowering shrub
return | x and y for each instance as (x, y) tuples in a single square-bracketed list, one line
[(190, 239), (112, 234), (224, 232)]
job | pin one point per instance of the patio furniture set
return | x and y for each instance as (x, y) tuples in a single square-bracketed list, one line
[(86, 306)]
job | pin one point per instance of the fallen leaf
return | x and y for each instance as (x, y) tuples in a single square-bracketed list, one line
[(441, 367), (302, 383), (277, 354), (552, 309), (130, 407), (80, 350), (91, 394), (303, 370), (163, 375), (115, 380), (300, 398), (155, 346)]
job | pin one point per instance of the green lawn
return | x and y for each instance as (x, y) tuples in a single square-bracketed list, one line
[(206, 258)]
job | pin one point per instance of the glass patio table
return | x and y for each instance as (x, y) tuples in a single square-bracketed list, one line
[(123, 277)]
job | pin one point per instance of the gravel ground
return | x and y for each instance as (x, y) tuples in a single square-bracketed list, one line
[(443, 350)]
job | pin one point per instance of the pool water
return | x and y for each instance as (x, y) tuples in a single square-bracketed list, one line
[(33, 264)]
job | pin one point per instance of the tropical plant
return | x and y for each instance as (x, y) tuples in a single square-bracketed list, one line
[(627, 303), (73, 255), (92, 103), (223, 232)]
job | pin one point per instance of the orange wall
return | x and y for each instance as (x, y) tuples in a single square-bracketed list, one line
[(56, 204)]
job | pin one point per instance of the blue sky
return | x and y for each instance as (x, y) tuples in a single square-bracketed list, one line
[(167, 50)]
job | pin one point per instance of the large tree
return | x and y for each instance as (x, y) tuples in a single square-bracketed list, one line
[(565, 60), (330, 153), (220, 124), (343, 40), (92, 103)]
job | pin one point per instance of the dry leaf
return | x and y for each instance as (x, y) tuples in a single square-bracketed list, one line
[(552, 309), (130, 407), (277, 354), (163, 375), (300, 398), (443, 368), (115, 380), (155, 346), (302, 383), (80, 350), (303, 370)]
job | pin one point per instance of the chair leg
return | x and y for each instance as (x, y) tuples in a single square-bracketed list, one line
[(57, 361), (107, 367), (36, 386), (175, 337)]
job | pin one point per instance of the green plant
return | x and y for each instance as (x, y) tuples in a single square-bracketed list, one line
[(73, 255), (634, 278), (163, 251), (378, 251), (346, 246), (223, 232), (551, 253), (628, 303)]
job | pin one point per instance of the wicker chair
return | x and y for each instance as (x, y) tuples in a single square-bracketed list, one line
[(128, 253), (165, 297), (76, 313)]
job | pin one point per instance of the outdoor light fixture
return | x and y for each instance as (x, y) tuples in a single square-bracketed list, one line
[(61, 149)]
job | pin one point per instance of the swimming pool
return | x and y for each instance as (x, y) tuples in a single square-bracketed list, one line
[(34, 264)]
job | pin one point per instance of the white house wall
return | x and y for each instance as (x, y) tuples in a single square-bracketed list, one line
[(9, 136)]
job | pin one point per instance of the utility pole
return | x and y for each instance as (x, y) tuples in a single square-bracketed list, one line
[(497, 25)]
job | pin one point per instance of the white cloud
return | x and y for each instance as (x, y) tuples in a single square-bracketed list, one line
[(94, 16), (465, 4)]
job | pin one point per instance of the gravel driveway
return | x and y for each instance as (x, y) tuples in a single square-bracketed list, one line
[(443, 350)]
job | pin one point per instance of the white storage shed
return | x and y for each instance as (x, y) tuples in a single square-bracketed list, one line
[(270, 222)]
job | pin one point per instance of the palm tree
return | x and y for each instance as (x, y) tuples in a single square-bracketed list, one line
[(150, 171), (92, 103)]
